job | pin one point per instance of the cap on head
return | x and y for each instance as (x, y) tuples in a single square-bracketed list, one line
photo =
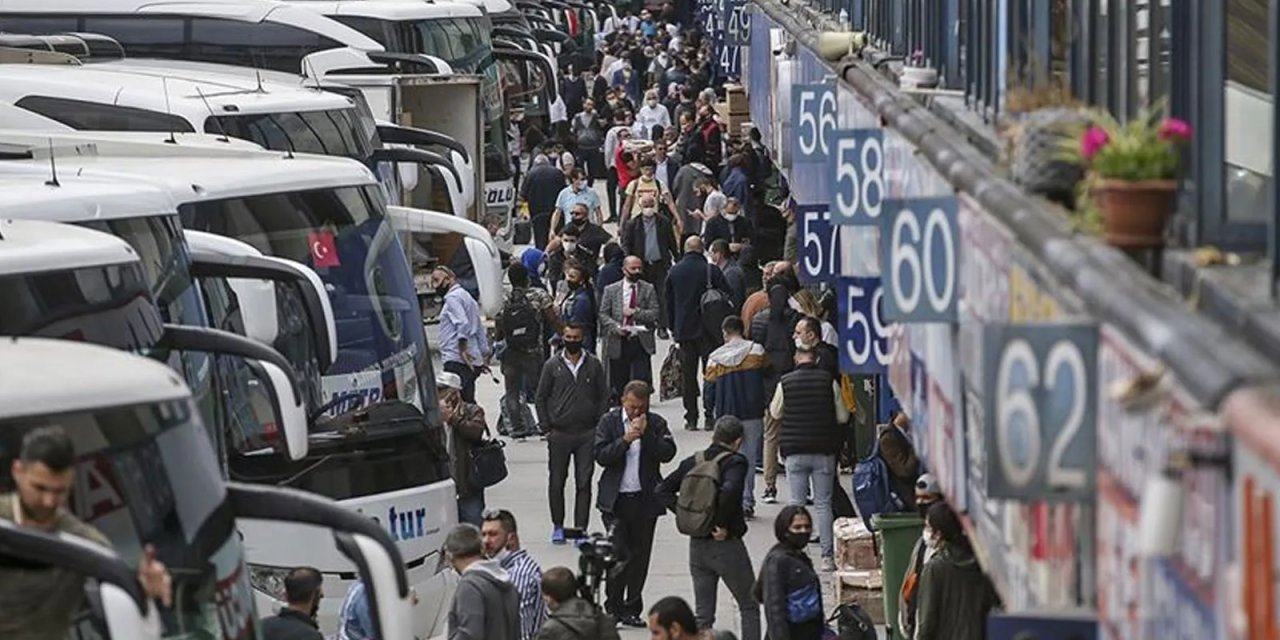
[(448, 380), (927, 486)]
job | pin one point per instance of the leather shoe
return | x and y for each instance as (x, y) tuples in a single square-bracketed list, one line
[(633, 621)]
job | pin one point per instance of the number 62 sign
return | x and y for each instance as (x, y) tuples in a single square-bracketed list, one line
[(1041, 405)]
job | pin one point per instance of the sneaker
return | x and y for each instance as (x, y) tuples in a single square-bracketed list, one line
[(690, 426), (770, 496), (828, 565), (633, 621), (663, 334), (557, 535), (749, 513)]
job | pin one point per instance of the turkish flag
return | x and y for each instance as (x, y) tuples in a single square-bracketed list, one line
[(323, 251)]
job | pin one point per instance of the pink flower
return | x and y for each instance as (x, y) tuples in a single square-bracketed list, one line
[(1093, 141), (1174, 129)]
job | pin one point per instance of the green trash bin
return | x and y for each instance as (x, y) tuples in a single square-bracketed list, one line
[(898, 533)]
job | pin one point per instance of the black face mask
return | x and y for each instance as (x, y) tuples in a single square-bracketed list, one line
[(797, 540), (442, 289), (573, 347), (632, 277), (579, 222), (574, 285)]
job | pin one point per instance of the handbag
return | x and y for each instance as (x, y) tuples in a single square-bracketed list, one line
[(488, 462), (669, 376), (804, 604)]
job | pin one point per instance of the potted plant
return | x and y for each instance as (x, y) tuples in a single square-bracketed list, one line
[(1133, 169)]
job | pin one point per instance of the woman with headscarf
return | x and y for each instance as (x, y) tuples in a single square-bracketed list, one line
[(788, 587)]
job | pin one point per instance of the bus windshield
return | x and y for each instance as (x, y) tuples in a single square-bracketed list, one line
[(342, 233), (109, 305), (146, 474), (166, 265), (466, 45), (336, 132)]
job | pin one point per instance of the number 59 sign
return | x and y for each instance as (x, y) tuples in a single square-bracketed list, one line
[(1041, 390), (918, 249), (864, 335)]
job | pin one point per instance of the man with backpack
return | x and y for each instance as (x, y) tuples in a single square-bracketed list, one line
[(899, 455), (697, 302), (526, 317), (705, 492)]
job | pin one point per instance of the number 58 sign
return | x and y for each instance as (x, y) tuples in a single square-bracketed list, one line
[(1041, 388)]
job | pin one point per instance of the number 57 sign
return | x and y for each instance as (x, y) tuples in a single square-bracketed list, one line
[(1041, 387)]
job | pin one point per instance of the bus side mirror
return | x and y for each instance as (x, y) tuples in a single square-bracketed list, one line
[(123, 605), (375, 555), (292, 410)]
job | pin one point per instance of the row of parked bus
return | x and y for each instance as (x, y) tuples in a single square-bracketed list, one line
[(215, 217)]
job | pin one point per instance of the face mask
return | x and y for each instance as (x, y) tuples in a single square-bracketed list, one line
[(632, 277), (442, 289), (797, 540), (573, 347), (929, 540), (649, 212), (652, 102), (730, 216), (801, 344), (570, 246), (574, 285)]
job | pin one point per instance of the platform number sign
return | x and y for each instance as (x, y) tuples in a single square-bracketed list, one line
[(819, 241), (919, 251), (864, 334), (737, 23), (813, 117), (857, 176), (1040, 407), (730, 59)]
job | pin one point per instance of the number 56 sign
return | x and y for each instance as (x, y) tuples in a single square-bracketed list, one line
[(1041, 388)]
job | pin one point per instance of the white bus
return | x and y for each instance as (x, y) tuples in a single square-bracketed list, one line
[(129, 96), (376, 442), (146, 475), (278, 36)]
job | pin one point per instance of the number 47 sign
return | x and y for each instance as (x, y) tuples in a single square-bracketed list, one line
[(1041, 389)]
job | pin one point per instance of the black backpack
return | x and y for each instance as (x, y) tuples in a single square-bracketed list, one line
[(715, 306), (853, 623), (521, 323)]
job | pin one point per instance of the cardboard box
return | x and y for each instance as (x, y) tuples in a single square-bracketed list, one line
[(855, 545), (736, 96), (865, 588)]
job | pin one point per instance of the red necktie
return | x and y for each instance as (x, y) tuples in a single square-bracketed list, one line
[(631, 303)]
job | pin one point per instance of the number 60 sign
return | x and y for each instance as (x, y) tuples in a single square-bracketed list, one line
[(1040, 404)]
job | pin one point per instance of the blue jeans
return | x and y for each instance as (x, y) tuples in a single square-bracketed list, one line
[(820, 468), (752, 439), (471, 507)]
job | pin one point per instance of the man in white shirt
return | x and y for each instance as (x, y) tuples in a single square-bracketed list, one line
[(651, 114), (631, 444), (628, 319)]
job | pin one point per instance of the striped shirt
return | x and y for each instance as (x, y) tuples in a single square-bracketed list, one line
[(526, 576)]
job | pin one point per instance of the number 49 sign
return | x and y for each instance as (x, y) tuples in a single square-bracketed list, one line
[(1040, 408)]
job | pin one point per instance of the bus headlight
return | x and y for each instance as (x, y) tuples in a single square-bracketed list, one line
[(269, 580)]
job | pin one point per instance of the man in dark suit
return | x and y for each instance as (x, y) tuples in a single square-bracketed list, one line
[(631, 443), (628, 318), (540, 189), (651, 237), (688, 280)]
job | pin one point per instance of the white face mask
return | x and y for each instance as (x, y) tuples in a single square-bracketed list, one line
[(929, 540), (730, 216), (649, 212), (570, 246), (800, 343), (652, 102)]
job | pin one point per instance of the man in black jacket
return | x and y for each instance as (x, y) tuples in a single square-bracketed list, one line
[(723, 554), (572, 394), (809, 406), (809, 333), (302, 588), (631, 443), (686, 283)]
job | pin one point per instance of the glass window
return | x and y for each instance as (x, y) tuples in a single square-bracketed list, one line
[(1248, 104), (108, 305), (93, 116), (334, 133), (146, 474), (267, 45)]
